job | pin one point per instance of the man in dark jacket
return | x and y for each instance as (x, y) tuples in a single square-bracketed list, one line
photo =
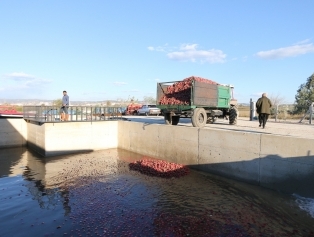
[(263, 106)]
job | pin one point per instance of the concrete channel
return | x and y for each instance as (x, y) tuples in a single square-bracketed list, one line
[(275, 158)]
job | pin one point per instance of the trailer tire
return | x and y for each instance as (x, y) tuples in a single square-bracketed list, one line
[(171, 120), (199, 117), (233, 115), (175, 119)]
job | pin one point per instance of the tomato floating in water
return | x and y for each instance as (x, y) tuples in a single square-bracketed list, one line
[(159, 168)]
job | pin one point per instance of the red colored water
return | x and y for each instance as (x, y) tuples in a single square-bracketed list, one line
[(96, 194)]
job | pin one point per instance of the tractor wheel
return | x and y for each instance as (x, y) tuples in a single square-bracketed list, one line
[(233, 115), (171, 120), (199, 117), (175, 119)]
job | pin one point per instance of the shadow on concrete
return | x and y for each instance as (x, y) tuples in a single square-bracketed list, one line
[(42, 152), (293, 175), (9, 135)]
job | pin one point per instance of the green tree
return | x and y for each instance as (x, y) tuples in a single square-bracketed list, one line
[(304, 96), (57, 102)]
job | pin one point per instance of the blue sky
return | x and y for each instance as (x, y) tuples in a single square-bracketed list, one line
[(107, 50)]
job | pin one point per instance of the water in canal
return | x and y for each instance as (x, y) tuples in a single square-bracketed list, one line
[(95, 194)]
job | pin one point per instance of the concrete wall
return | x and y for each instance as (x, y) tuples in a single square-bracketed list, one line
[(233, 154), (12, 132), (287, 164), (52, 139), (277, 162), (173, 143), (36, 137)]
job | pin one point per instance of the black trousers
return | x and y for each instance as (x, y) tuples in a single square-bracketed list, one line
[(262, 118)]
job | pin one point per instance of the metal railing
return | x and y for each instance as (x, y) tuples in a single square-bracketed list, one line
[(75, 113)]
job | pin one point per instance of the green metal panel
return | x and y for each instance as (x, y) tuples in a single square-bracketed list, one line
[(224, 96)]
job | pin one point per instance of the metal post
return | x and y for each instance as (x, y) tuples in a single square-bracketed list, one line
[(311, 113), (251, 109), (276, 113)]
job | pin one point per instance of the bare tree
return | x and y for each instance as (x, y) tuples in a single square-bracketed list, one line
[(278, 112), (149, 99), (277, 99)]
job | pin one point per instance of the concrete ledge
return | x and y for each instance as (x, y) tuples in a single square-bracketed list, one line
[(276, 162), (13, 132), (52, 139), (232, 154), (176, 144), (287, 164)]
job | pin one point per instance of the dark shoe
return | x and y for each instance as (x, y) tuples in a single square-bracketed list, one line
[(259, 125)]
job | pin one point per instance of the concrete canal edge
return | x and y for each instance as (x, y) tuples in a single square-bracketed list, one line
[(277, 162)]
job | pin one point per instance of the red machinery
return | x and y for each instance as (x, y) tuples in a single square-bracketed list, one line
[(132, 108), (9, 111)]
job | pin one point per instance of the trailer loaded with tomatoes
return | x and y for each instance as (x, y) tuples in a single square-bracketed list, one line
[(201, 99)]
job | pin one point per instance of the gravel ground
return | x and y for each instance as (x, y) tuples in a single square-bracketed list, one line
[(282, 128)]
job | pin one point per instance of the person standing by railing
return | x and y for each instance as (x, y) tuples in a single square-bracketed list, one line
[(64, 116)]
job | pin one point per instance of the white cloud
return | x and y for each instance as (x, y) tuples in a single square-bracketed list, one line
[(23, 85), (119, 83), (20, 80), (303, 42), (185, 47), (190, 53), (18, 76), (158, 49), (290, 51)]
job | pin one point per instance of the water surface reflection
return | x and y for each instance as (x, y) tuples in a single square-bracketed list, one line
[(95, 194)]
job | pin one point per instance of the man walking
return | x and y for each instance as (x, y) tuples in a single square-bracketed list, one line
[(64, 116), (263, 106)]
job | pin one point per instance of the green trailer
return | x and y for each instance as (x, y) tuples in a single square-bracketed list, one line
[(207, 102)]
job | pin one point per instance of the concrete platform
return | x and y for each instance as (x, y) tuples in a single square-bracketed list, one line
[(291, 128)]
